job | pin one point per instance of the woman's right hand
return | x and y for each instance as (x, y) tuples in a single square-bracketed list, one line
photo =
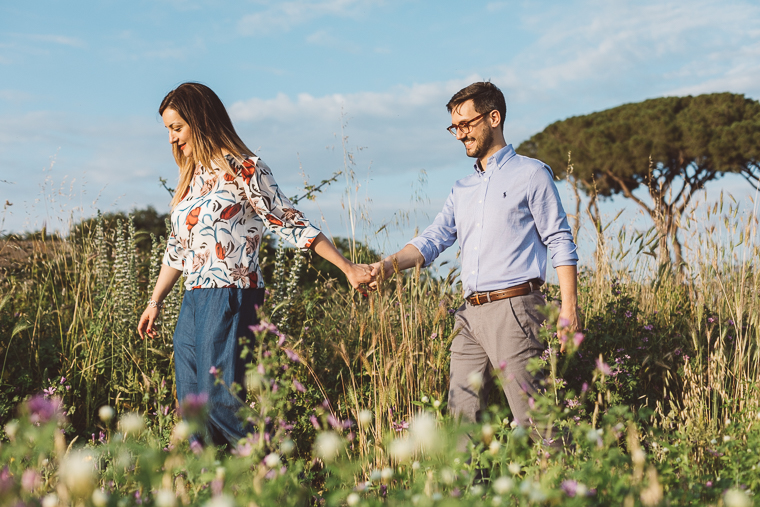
[(147, 320)]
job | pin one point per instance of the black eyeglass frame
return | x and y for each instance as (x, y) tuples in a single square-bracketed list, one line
[(466, 126)]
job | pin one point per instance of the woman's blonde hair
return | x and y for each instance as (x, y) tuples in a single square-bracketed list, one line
[(211, 132)]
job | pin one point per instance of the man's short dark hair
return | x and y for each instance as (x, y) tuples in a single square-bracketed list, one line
[(485, 96)]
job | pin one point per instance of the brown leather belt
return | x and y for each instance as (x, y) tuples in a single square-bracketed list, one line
[(478, 298)]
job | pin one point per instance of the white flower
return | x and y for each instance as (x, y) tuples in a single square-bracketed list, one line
[(220, 501), (736, 498), (593, 435), (132, 423), (352, 499), (581, 490), (287, 446), (375, 475), (78, 473), (476, 490), (416, 465), (99, 497), (425, 399), (496, 500), (387, 474), (365, 417), (401, 449), (514, 468), (437, 404), (475, 380), (424, 432), (726, 438), (165, 498), (494, 447), (105, 413), (181, 430), (448, 476), (503, 485), (328, 445), (513, 424), (11, 429), (638, 457), (486, 431), (272, 460), (50, 500)]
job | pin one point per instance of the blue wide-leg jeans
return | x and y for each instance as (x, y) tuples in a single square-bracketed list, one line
[(209, 328)]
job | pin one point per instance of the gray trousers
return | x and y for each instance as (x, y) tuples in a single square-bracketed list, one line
[(497, 339)]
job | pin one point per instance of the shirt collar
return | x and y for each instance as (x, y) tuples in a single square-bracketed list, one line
[(498, 159)]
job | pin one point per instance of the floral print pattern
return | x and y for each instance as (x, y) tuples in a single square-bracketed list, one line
[(216, 228)]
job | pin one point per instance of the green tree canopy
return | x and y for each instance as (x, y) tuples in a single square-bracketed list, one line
[(691, 141)]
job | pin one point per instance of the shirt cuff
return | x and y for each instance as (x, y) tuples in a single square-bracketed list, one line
[(429, 253), (307, 237)]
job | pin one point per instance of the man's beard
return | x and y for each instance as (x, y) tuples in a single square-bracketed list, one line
[(482, 145)]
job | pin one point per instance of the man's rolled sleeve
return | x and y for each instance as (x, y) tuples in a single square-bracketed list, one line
[(439, 235), (551, 220)]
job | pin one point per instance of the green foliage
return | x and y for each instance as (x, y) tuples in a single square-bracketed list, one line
[(695, 138)]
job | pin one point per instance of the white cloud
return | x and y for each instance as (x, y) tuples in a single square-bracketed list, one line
[(327, 39), (56, 39), (283, 15)]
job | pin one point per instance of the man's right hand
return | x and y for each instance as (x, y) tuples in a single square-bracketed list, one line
[(376, 273)]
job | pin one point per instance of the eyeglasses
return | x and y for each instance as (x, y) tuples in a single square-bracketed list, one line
[(464, 127)]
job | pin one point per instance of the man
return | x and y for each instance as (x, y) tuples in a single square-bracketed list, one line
[(504, 215)]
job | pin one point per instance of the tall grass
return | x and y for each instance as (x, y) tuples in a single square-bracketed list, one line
[(684, 343)]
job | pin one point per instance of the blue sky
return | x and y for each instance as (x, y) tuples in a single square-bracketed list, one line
[(80, 83)]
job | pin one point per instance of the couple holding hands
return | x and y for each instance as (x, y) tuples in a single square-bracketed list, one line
[(505, 214)]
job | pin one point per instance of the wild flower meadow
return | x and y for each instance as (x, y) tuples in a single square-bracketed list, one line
[(656, 400)]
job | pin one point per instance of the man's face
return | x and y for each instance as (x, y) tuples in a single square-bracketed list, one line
[(479, 139)]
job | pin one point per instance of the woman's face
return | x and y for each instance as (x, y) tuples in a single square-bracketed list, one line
[(179, 131)]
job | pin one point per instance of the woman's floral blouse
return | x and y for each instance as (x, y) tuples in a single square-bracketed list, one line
[(217, 226)]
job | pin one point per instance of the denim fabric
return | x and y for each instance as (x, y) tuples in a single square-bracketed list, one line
[(210, 324)]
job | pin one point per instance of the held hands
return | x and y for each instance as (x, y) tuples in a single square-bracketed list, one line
[(358, 276)]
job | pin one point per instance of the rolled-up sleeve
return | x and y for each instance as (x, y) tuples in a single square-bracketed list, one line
[(440, 235), (551, 219), (276, 210)]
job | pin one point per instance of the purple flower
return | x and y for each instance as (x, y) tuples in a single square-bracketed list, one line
[(401, 426), (578, 339), (292, 356), (213, 371), (570, 487), (628, 314), (30, 480), (334, 422), (603, 367), (710, 320), (194, 405), (584, 388), (314, 422), (196, 447), (299, 386), (434, 336), (42, 409), (63, 379), (502, 365), (709, 484)]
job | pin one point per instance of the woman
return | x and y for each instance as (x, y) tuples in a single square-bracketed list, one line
[(225, 197)]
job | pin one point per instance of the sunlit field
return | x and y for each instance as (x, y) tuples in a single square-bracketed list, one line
[(657, 398)]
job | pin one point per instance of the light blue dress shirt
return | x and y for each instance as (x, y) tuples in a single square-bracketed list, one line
[(504, 218)]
